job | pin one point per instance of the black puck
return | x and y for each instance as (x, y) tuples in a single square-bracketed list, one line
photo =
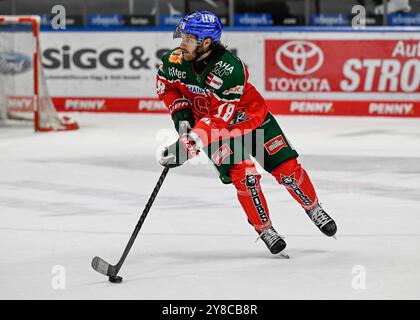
[(115, 279)]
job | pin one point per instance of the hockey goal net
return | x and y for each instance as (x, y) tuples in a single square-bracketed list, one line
[(23, 88)]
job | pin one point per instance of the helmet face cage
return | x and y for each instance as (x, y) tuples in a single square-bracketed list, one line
[(202, 24)]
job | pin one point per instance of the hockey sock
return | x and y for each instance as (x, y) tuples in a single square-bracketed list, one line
[(246, 180), (297, 182)]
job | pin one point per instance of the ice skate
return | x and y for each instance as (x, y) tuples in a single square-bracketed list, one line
[(273, 240), (322, 220)]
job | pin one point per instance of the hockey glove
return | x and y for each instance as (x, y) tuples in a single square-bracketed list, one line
[(183, 116), (179, 152)]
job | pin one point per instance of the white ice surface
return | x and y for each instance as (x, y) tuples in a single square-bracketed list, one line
[(69, 196)]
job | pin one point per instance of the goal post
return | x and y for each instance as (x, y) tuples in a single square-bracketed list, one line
[(23, 87)]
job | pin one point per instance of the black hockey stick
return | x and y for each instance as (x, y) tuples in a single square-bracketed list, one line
[(107, 269)]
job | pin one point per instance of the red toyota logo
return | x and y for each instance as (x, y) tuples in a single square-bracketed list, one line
[(299, 57)]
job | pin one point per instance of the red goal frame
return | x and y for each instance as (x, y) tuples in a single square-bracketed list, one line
[(35, 21)]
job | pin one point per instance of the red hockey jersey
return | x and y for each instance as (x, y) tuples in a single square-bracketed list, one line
[(223, 101)]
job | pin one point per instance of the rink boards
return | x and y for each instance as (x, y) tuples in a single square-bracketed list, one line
[(348, 72)]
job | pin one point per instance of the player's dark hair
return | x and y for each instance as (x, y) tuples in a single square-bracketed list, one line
[(219, 48)]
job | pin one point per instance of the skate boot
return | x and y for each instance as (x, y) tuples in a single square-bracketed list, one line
[(272, 240), (322, 220)]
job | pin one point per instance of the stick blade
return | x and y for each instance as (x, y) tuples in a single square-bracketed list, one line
[(101, 266)]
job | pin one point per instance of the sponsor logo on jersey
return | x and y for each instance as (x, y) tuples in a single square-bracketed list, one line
[(234, 90), (176, 56), (196, 89), (174, 72), (240, 116), (214, 81), (221, 153), (291, 183), (222, 68), (14, 63), (178, 104), (207, 121), (160, 87), (275, 145), (251, 183)]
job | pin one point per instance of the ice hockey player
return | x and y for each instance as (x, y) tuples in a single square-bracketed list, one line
[(206, 90)]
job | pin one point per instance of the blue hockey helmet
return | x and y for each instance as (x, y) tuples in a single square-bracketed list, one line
[(202, 24)]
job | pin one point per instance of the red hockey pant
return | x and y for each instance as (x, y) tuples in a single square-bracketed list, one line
[(246, 180)]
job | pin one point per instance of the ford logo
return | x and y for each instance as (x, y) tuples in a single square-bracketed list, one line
[(299, 57), (14, 63)]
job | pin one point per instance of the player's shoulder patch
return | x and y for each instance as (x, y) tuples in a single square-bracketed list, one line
[(172, 56), (175, 56), (169, 60)]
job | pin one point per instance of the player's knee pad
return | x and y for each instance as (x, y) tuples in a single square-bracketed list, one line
[(246, 180), (288, 168), (296, 180), (243, 175)]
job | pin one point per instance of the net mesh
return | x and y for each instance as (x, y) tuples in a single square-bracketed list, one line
[(18, 85)]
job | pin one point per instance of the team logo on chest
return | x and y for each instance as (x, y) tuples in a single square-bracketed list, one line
[(201, 105)]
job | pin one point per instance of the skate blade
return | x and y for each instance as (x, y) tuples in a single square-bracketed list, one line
[(283, 255), (335, 237)]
